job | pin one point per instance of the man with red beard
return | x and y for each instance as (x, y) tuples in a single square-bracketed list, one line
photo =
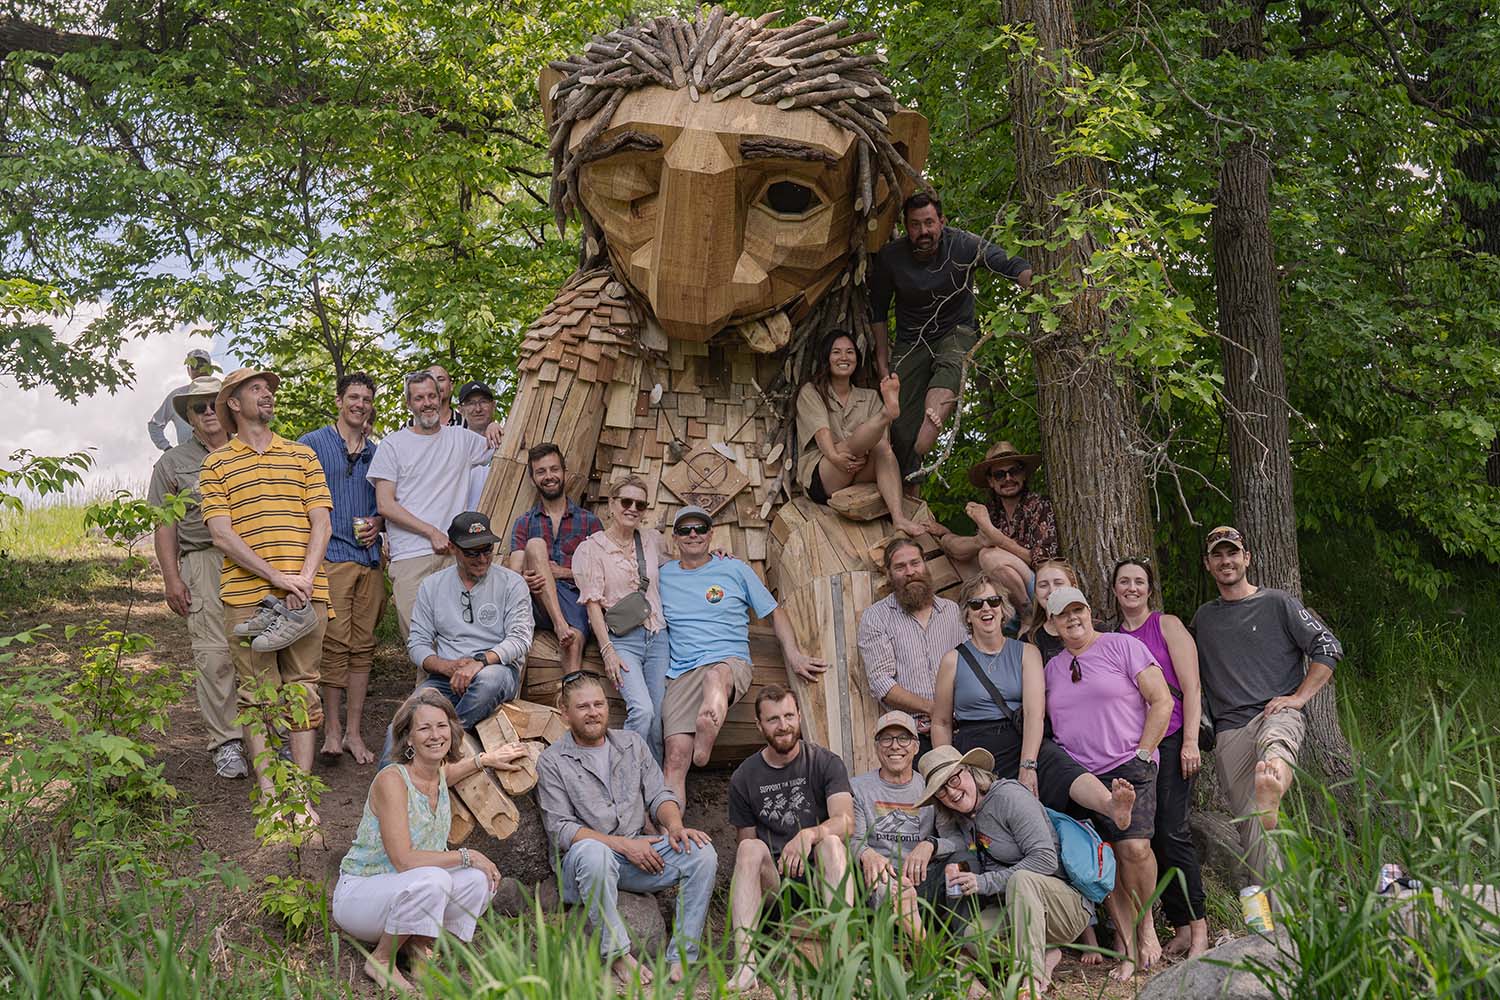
[(905, 635)]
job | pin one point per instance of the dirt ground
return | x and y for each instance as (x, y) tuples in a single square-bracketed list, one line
[(222, 822)]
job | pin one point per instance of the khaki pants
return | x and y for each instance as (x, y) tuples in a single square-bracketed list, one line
[(1041, 910), (205, 621), (1238, 751), (357, 597), (293, 671), (406, 576)]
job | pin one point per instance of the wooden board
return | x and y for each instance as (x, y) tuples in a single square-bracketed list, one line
[(535, 722), (463, 822), (492, 808), (496, 732)]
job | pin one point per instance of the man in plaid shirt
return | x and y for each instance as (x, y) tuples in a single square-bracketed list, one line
[(542, 544)]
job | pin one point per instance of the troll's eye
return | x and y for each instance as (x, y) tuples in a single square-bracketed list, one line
[(790, 198)]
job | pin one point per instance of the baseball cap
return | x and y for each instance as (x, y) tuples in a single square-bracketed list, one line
[(693, 511), (471, 530), (1224, 535), (899, 719), (1059, 599), (471, 388), (198, 355)]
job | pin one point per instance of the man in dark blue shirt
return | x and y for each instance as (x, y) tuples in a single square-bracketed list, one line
[(930, 274), (356, 585)]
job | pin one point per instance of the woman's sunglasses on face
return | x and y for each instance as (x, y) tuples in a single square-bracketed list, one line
[(631, 503), (975, 603)]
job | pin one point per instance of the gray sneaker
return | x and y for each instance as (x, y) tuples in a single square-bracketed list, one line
[(229, 760), (266, 613), (287, 627)]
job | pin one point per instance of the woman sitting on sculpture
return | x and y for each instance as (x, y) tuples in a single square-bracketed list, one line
[(844, 429), (399, 885), (966, 715)]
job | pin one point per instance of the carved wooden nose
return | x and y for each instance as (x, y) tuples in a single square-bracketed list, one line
[(699, 229)]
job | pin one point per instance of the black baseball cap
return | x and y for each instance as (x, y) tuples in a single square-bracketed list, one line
[(471, 530), (473, 387)]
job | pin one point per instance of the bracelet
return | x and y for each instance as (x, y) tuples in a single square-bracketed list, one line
[(1028, 765), (464, 861)]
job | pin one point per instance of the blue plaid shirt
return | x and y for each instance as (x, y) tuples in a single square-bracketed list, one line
[(576, 525)]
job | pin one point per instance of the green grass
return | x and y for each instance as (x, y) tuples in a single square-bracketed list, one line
[(55, 531)]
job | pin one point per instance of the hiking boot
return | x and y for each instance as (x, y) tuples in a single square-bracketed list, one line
[(287, 627), (266, 612), (229, 760)]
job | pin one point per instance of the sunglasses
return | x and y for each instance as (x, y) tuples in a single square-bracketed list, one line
[(682, 531), (202, 408), (574, 676), (1009, 472), (975, 603), (1075, 671), (895, 740), (631, 503), (482, 552)]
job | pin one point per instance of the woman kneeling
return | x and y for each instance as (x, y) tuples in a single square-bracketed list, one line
[(399, 885)]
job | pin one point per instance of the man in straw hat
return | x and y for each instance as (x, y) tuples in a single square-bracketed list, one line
[(190, 568), (267, 506), (200, 364), (1017, 528)]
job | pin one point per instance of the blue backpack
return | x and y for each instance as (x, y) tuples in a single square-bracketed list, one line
[(1087, 860)]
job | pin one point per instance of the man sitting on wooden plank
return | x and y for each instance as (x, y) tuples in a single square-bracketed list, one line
[(597, 788), (792, 808), (707, 603), (904, 636), (542, 543)]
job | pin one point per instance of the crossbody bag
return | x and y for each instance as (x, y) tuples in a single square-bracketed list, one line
[(631, 611)]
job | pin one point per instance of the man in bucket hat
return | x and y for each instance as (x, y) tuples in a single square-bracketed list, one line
[(267, 505), (190, 567), (1017, 529)]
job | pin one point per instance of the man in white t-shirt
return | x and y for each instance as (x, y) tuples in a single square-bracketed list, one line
[(421, 477)]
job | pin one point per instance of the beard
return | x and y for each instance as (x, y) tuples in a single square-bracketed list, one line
[(551, 494), (427, 421), (914, 595), (783, 743)]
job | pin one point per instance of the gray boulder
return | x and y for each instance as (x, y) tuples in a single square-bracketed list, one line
[(1218, 845), (641, 913), (1222, 972)]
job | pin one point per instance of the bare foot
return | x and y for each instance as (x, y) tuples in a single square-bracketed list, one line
[(1181, 942), (1054, 956), (743, 979), (1121, 802), (332, 742), (388, 977), (890, 395), (1148, 946), (1268, 792), (908, 527), (1091, 958), (626, 969), (355, 747), (675, 973), (1124, 972)]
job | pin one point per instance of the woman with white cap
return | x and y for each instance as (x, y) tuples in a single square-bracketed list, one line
[(1109, 706), (1015, 860)]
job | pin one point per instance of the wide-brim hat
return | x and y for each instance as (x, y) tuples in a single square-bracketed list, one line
[(233, 381), (204, 387), (1000, 452), (938, 764)]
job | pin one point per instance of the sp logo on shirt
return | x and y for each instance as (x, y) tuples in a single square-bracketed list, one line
[(714, 594)]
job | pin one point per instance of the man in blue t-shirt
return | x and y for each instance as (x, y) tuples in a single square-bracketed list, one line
[(707, 603)]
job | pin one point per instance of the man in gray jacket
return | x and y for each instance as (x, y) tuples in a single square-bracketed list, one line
[(596, 788)]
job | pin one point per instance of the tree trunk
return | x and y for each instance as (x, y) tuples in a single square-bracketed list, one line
[(1090, 420), (1479, 162)]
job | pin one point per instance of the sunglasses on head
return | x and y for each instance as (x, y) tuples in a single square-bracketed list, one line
[(202, 408), (683, 530), (631, 503), (1009, 472), (975, 603), (574, 676)]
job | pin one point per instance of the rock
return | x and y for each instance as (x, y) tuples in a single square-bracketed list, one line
[(642, 913), (1218, 846), (1222, 972), (512, 899)]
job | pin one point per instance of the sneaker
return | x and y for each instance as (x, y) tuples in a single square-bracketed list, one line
[(229, 760), (287, 627), (267, 611)]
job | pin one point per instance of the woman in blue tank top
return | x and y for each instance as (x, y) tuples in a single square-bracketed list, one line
[(399, 885)]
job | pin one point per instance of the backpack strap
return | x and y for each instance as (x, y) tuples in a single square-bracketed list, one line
[(989, 685)]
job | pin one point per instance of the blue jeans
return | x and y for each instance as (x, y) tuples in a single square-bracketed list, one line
[(490, 687), (643, 682), (593, 873)]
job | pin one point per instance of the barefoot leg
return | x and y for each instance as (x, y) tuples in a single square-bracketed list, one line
[(716, 688), (1272, 780), (333, 734), (1116, 802), (380, 966)]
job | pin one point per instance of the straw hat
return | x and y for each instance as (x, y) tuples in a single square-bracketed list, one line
[(1000, 453), (233, 381), (205, 387), (938, 764)]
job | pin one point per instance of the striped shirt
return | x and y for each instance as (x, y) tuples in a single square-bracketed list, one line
[(896, 648), (353, 494), (267, 498)]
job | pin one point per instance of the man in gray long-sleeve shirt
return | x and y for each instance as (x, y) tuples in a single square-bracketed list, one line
[(596, 788), (1252, 642), (471, 625), (200, 364)]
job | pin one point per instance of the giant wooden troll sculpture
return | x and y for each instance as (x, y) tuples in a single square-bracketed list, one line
[(732, 179)]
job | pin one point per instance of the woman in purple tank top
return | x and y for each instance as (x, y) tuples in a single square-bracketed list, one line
[(1134, 588)]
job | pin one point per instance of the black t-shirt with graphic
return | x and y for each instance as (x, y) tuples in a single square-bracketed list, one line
[(779, 801)]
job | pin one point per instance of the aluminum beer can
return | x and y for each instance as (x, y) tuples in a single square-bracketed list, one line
[(1255, 906), (361, 524)]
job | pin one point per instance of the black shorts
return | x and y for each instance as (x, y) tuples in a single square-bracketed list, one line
[(816, 492), (1142, 777), (1055, 770)]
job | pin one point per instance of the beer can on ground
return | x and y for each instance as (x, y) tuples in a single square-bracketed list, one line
[(1255, 906)]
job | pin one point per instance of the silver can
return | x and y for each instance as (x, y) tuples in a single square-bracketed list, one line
[(361, 525)]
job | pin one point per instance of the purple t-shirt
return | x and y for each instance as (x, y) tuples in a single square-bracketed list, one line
[(1150, 634), (1099, 720)]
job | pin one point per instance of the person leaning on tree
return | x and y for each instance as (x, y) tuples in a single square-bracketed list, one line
[(190, 568), (1252, 643), (929, 273)]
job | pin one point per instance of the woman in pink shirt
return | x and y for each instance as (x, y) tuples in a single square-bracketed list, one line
[(617, 574)]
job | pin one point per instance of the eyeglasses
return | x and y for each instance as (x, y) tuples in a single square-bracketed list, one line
[(1009, 472), (975, 603), (631, 503), (468, 605), (683, 530), (202, 408), (895, 740), (950, 787)]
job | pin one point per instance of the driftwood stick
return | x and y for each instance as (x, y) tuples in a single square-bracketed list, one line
[(824, 44)]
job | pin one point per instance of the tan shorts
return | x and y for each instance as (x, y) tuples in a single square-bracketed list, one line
[(292, 671), (684, 697)]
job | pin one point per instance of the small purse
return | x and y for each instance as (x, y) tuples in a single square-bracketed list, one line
[(631, 611)]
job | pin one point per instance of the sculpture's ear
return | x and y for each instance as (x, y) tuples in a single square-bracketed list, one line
[(550, 78), (909, 136)]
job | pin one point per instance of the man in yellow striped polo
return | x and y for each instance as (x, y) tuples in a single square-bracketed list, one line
[(267, 506)]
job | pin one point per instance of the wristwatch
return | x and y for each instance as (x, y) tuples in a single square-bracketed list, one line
[(1143, 755), (483, 656), (1028, 764)]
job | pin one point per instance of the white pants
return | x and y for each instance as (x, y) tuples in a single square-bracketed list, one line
[(422, 901)]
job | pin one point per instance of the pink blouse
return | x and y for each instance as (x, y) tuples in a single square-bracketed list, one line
[(606, 572)]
